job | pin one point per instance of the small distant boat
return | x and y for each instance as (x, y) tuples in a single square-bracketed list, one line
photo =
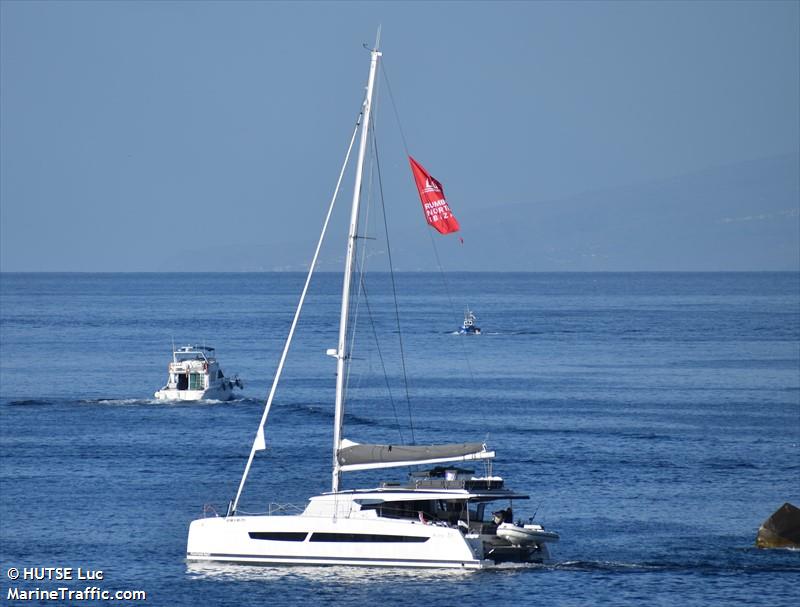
[(469, 328), (195, 374)]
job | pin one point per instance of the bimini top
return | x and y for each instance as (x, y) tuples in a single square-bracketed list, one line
[(400, 494), (194, 352), (194, 349)]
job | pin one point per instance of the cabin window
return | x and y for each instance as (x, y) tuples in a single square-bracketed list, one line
[(451, 511), (365, 537), (196, 381), (478, 514), (404, 509), (278, 536)]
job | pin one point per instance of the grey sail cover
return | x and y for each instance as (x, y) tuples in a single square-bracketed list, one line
[(355, 454)]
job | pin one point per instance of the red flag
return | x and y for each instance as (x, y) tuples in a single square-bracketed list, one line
[(431, 193)]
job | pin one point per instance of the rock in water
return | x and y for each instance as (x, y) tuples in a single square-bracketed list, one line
[(781, 530)]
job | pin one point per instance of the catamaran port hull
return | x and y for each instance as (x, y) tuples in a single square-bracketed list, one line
[(306, 540)]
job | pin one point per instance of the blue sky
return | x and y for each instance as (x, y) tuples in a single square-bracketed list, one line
[(134, 134)]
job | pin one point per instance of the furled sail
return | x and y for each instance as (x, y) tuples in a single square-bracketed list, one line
[(356, 456)]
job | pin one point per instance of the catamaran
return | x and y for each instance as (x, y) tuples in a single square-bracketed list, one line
[(442, 517)]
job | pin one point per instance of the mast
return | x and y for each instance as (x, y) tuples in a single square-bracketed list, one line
[(341, 352)]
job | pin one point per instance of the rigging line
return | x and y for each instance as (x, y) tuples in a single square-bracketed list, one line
[(361, 266), (362, 286), (394, 286), (394, 106), (375, 169), (355, 294), (433, 242), (452, 306), (380, 356), (363, 290), (260, 432)]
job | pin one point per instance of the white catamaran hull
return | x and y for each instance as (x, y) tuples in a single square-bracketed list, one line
[(309, 540)]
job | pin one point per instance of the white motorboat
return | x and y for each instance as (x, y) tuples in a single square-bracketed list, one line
[(438, 518), (469, 327), (195, 374)]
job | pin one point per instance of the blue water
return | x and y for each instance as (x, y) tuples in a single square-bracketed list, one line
[(653, 418)]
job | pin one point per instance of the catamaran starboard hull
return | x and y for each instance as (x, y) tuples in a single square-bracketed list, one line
[(304, 540)]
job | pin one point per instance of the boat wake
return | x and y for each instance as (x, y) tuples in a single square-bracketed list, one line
[(702, 567), (347, 574), (118, 401), (506, 333), (28, 402), (156, 402), (607, 566), (339, 574), (320, 412)]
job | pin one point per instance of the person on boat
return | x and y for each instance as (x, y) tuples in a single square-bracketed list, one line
[(503, 516)]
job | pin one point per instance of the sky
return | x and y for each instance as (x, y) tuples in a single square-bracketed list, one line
[(161, 136)]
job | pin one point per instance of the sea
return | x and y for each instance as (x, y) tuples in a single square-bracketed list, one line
[(653, 418)]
